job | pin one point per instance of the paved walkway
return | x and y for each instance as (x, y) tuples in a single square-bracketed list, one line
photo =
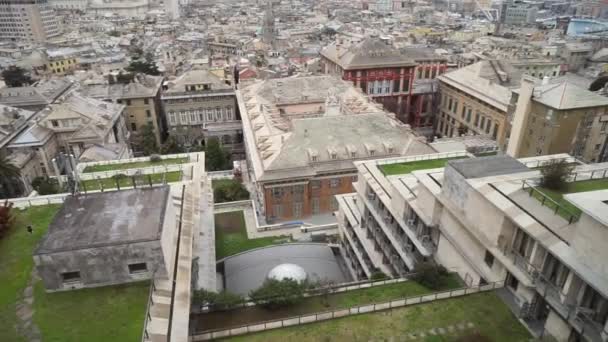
[(25, 311)]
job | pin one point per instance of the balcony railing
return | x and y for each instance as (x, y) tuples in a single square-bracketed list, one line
[(548, 202), (522, 263)]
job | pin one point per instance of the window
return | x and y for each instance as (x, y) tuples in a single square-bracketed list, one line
[(315, 184), (406, 85), (298, 193), (146, 101), (488, 126), (192, 116), (489, 259), (55, 123), (476, 119), (70, 277), (483, 122), (333, 203), (277, 192), (138, 268), (316, 205), (378, 87), (370, 87), (172, 118), (334, 182), (469, 115), (148, 113), (128, 102), (297, 209), (218, 114), (229, 113), (450, 104), (184, 118), (133, 126), (209, 114), (464, 111), (387, 86), (395, 86), (277, 210)]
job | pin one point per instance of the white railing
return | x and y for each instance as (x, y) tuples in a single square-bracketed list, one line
[(442, 155), (192, 158), (148, 170), (26, 202)]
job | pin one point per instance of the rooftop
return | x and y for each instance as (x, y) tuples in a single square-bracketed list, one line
[(592, 203), (106, 218), (408, 167), (487, 166), (371, 51)]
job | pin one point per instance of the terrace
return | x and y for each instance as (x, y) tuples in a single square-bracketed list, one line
[(100, 314), (135, 164), (411, 166)]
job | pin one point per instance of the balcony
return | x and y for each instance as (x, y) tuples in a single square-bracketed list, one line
[(522, 264)]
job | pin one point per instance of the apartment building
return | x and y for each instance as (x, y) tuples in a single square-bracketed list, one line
[(142, 100), (28, 21), (37, 96), (540, 68), (302, 136), (475, 100), (551, 117), (87, 128), (62, 65), (400, 80), (199, 105), (477, 217), (520, 15)]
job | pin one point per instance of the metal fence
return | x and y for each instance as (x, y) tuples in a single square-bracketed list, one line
[(327, 315), (443, 155), (547, 201), (145, 335), (192, 158), (26, 202)]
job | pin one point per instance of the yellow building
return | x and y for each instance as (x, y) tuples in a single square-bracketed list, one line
[(62, 66)]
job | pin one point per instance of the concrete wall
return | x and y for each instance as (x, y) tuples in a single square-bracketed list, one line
[(590, 242), (455, 187), (100, 266), (556, 327), (168, 239)]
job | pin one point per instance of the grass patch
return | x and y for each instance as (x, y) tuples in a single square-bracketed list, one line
[(558, 196), (135, 165), (231, 235), (110, 183), (102, 314), (111, 313), (16, 264), (218, 183), (486, 311), (402, 168)]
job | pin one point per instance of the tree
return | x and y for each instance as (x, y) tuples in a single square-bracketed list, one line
[(15, 76), (230, 192), (171, 146), (144, 65), (216, 158), (45, 185), (555, 174), (430, 275), (147, 140), (6, 218), (598, 83), (278, 293), (125, 78), (10, 178), (378, 275)]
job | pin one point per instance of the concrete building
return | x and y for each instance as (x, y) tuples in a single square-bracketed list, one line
[(520, 15), (302, 136), (540, 68), (35, 97), (71, 5), (108, 238), (142, 100), (198, 106), (28, 21), (475, 100), (474, 218), (560, 117), (400, 80), (576, 55), (124, 8)]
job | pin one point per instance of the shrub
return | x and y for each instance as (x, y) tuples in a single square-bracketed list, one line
[(155, 158), (119, 176), (555, 174), (429, 275), (45, 185), (278, 293), (6, 218), (378, 275), (222, 300), (230, 192)]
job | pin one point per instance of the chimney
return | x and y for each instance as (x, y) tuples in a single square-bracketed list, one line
[(520, 117)]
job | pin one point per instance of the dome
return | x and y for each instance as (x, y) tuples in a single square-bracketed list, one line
[(285, 271)]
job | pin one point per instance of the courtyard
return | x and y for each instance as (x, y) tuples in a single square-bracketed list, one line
[(477, 317), (27, 312), (231, 235)]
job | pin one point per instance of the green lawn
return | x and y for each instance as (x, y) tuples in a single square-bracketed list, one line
[(110, 183), (580, 186), (113, 313), (16, 263), (486, 311), (216, 183), (231, 235), (401, 168), (135, 165)]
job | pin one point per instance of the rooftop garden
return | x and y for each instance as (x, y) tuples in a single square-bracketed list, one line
[(231, 235), (323, 302), (127, 181), (407, 167), (478, 317), (101, 314), (579, 186), (136, 165)]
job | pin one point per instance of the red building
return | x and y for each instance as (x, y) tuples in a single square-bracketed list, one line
[(403, 81)]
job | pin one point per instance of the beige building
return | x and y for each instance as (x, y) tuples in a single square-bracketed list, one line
[(141, 98), (199, 105), (475, 218), (475, 100), (28, 21), (302, 136), (559, 117)]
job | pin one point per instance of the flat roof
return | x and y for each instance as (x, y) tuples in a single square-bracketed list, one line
[(592, 203), (105, 219), (487, 166)]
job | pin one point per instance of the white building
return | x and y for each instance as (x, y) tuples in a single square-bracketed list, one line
[(28, 21), (476, 217)]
